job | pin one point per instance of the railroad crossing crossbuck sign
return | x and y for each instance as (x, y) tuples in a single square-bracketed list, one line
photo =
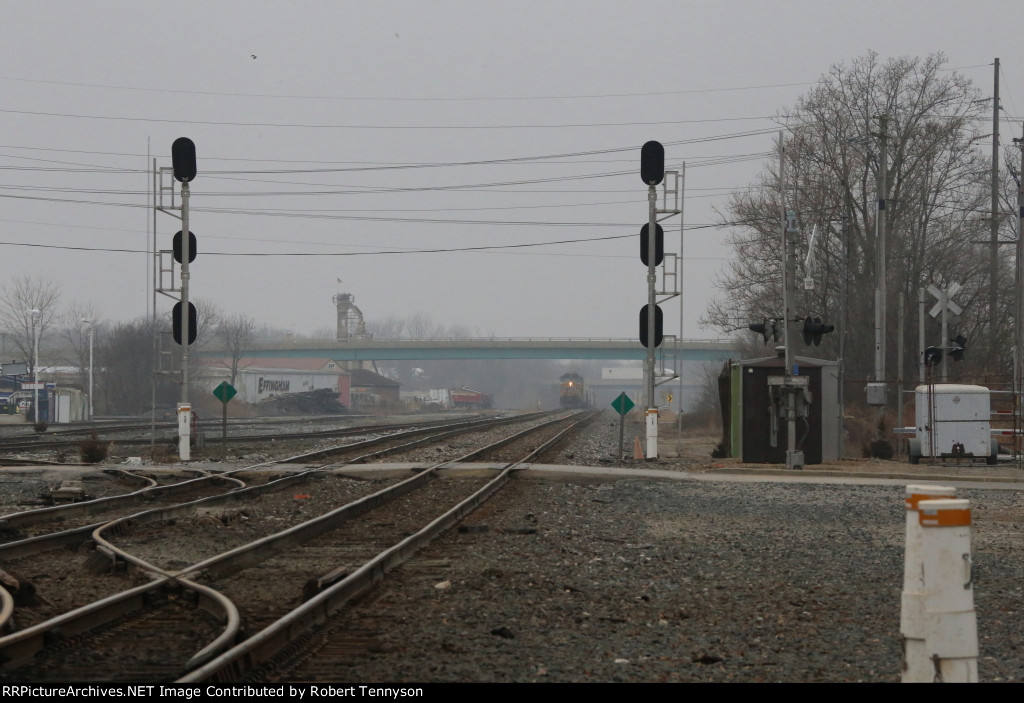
[(945, 298)]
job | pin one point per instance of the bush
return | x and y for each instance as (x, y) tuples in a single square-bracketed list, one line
[(93, 450), (879, 449)]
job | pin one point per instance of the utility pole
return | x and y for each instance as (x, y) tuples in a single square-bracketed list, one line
[(880, 249), (1018, 366), (920, 336), (791, 384), (91, 325), (844, 292), (682, 259), (788, 329), (794, 458), (36, 318), (945, 336), (901, 311), (993, 264)]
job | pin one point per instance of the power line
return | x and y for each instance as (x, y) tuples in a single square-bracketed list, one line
[(297, 125), (586, 240), (351, 98), (368, 165), (484, 247)]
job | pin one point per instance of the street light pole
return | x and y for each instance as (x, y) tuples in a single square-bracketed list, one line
[(90, 324), (34, 314)]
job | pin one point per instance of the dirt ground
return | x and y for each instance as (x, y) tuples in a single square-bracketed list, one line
[(696, 448)]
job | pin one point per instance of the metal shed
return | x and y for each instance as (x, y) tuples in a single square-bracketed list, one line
[(750, 416)]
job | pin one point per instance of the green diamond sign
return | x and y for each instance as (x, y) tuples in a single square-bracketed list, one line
[(623, 404), (224, 392)]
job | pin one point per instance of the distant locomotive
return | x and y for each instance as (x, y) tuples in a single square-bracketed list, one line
[(572, 392)]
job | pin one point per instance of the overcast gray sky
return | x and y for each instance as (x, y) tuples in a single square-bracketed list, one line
[(295, 107)]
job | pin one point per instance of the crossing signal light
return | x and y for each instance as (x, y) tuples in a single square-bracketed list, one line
[(645, 244), (183, 158), (959, 343), (657, 326), (932, 356), (652, 163), (176, 323), (813, 329), (767, 329)]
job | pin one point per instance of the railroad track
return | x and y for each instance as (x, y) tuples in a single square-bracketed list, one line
[(39, 530), (70, 438), (389, 439), (75, 516), (121, 542), (280, 649)]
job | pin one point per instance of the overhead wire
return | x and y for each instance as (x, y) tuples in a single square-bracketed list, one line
[(376, 127), (483, 247), (368, 166), (367, 190), (355, 98)]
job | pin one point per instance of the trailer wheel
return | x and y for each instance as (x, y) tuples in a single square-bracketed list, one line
[(993, 458), (914, 451)]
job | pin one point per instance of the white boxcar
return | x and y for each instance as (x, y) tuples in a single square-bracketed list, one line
[(953, 419)]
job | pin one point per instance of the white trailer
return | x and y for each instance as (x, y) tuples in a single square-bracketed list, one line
[(953, 420)]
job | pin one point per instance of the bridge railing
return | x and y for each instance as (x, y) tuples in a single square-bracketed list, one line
[(477, 340)]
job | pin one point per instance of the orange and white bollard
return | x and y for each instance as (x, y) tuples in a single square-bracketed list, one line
[(951, 629), (917, 665)]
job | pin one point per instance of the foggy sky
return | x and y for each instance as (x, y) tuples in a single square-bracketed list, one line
[(329, 132)]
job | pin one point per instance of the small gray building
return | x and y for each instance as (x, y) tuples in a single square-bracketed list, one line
[(747, 416)]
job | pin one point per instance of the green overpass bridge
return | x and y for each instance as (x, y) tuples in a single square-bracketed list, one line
[(691, 350)]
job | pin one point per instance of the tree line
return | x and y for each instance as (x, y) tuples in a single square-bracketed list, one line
[(937, 229), (135, 363)]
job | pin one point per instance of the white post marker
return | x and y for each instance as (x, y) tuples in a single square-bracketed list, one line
[(917, 664), (652, 433), (184, 431), (951, 629)]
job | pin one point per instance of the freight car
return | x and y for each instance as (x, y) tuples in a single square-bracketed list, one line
[(468, 398), (572, 392)]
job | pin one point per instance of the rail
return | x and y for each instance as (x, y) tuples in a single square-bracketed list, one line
[(267, 643)]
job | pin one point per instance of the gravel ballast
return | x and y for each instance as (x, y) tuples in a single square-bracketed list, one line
[(638, 581), (698, 577)]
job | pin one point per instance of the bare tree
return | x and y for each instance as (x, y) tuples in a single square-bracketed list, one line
[(421, 326), (208, 318), (18, 300), (320, 333), (935, 206), (390, 327), (265, 332), (77, 322), (236, 334), (124, 364)]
